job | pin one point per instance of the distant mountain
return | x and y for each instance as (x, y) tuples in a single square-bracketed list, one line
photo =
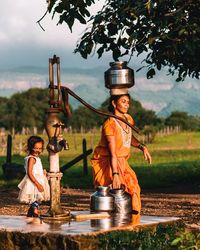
[(161, 94), (180, 97)]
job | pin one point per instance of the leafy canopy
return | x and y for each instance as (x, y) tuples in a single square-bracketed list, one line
[(167, 32)]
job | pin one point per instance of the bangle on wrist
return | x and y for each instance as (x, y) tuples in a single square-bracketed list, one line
[(115, 173), (141, 146)]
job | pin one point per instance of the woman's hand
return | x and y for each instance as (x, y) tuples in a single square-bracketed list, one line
[(45, 172), (116, 182), (147, 155), (39, 187)]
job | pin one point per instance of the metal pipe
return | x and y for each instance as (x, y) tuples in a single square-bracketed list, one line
[(51, 82), (58, 79), (99, 111)]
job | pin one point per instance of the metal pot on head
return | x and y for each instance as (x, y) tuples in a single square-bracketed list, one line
[(119, 76), (101, 200)]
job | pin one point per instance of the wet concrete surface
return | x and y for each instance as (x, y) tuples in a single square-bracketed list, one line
[(26, 225)]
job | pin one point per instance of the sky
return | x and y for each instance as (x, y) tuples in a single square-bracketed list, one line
[(23, 42)]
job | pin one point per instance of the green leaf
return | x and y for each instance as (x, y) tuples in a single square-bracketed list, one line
[(150, 73), (181, 32), (139, 68), (80, 18), (176, 241), (151, 40), (178, 79), (58, 9), (100, 51), (52, 3), (69, 21), (158, 65), (112, 29), (84, 12)]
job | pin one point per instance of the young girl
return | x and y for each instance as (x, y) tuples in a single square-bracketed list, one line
[(34, 187)]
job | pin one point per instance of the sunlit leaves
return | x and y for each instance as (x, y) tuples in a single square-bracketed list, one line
[(69, 11), (167, 31), (148, 6)]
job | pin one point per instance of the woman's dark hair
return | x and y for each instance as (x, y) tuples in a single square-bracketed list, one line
[(32, 141), (115, 98)]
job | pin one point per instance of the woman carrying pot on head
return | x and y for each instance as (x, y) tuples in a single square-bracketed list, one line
[(110, 158)]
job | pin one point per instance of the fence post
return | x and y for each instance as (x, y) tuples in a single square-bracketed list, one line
[(9, 149), (85, 165)]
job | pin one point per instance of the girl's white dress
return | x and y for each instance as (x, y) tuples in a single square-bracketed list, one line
[(28, 191)]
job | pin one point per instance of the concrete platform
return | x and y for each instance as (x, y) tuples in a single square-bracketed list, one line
[(18, 232), (27, 225)]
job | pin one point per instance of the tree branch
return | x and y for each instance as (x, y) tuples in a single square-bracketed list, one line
[(42, 19), (175, 12)]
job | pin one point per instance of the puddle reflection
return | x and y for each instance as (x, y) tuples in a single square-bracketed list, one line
[(116, 220)]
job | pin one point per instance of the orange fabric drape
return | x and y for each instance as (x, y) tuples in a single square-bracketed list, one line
[(102, 171)]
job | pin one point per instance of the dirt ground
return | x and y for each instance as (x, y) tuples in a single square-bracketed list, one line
[(182, 201)]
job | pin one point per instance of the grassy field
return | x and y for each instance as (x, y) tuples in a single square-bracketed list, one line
[(176, 159)]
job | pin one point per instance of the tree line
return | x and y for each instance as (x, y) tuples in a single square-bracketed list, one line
[(28, 109)]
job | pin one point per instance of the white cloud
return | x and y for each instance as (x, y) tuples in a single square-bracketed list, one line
[(191, 84), (18, 22), (23, 42), (154, 84), (153, 106), (3, 37)]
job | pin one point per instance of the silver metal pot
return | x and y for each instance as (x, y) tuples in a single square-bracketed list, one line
[(101, 200), (119, 75), (122, 201)]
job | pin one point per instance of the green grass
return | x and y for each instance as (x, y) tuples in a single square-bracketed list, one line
[(184, 140), (176, 159)]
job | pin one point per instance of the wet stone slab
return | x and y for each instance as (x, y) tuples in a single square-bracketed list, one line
[(22, 233), (73, 227)]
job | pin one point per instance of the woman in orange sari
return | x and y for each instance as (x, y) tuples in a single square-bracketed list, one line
[(109, 162)]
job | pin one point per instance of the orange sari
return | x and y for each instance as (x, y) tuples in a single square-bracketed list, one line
[(102, 171)]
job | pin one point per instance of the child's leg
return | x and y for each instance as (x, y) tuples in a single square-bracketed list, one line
[(34, 209)]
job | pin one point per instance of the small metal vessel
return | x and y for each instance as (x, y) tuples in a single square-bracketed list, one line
[(119, 75), (101, 200), (122, 201)]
